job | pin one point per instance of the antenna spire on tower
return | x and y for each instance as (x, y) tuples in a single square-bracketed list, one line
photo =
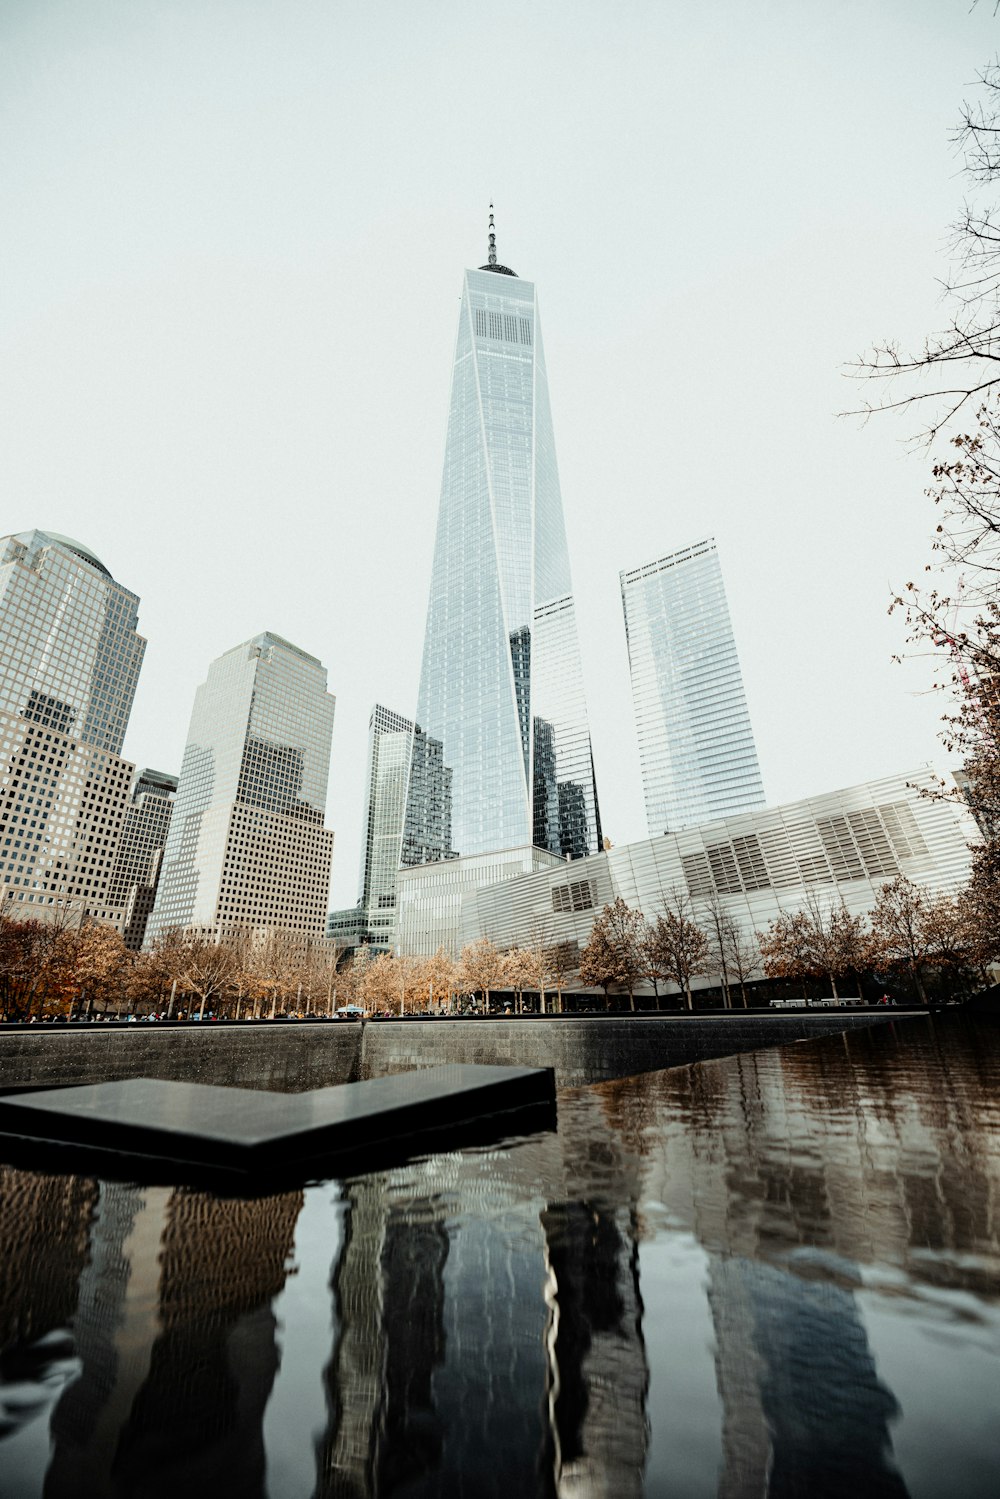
[(491, 263)]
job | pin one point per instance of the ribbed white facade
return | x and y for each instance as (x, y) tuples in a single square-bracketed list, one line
[(844, 844)]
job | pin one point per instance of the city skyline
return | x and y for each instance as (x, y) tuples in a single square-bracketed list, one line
[(215, 341)]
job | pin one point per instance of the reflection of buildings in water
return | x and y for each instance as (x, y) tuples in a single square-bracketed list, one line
[(598, 1373), (115, 1325), (439, 1355), (354, 1375), (869, 1145), (44, 1230), (482, 1320), (804, 1410), (178, 1351), (790, 1165)]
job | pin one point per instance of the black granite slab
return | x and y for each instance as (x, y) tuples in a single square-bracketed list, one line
[(255, 1133)]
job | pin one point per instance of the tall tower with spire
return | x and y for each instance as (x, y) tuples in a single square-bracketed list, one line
[(501, 703)]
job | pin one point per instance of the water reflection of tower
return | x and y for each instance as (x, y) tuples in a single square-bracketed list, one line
[(45, 1230), (440, 1354), (114, 1329), (598, 1376), (803, 1408), (384, 1430), (178, 1352)]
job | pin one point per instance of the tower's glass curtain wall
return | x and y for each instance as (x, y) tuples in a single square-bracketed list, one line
[(696, 742), (501, 690)]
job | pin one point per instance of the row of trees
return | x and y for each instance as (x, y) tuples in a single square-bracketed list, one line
[(909, 938), (48, 969), (406, 985)]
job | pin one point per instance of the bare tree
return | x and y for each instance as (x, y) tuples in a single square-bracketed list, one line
[(819, 941), (960, 363), (742, 955), (681, 946), (718, 926)]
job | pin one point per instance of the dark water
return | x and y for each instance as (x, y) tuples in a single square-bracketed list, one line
[(777, 1274)]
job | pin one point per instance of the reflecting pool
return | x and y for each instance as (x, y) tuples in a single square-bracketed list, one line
[(777, 1274)]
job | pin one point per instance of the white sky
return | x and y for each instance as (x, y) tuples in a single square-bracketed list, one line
[(234, 235)]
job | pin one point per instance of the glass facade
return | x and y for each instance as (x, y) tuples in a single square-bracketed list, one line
[(502, 754), (136, 871), (696, 744), (70, 655), (70, 649), (246, 844)]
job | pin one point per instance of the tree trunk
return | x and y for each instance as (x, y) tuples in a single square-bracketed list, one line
[(631, 1000), (918, 981)]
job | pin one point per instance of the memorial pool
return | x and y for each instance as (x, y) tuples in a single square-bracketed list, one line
[(778, 1273)]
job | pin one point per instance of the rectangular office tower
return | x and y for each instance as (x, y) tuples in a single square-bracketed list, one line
[(696, 744), (247, 847), (501, 719), (136, 872), (371, 922), (70, 654)]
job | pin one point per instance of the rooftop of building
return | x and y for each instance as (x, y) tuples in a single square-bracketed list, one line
[(76, 547)]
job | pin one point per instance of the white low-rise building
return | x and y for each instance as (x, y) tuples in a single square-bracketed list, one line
[(844, 844)]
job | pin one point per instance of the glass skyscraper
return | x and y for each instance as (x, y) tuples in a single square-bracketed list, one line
[(70, 653), (70, 648), (502, 754), (696, 745), (246, 847)]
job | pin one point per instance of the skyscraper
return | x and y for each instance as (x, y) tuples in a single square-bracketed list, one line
[(70, 654), (390, 751), (143, 838), (390, 743), (696, 745), (501, 688), (247, 846)]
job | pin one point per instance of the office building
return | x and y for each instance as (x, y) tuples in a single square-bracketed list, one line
[(501, 698), (757, 864), (143, 838), (390, 756), (696, 745), (246, 847), (390, 742), (70, 655)]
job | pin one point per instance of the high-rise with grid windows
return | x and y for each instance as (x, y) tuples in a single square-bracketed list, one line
[(696, 744), (70, 654), (390, 748), (136, 872), (501, 698), (247, 847)]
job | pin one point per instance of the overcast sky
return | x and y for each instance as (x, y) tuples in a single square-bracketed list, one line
[(234, 237)]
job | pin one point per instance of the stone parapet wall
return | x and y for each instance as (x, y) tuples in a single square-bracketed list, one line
[(279, 1058), (298, 1056)]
